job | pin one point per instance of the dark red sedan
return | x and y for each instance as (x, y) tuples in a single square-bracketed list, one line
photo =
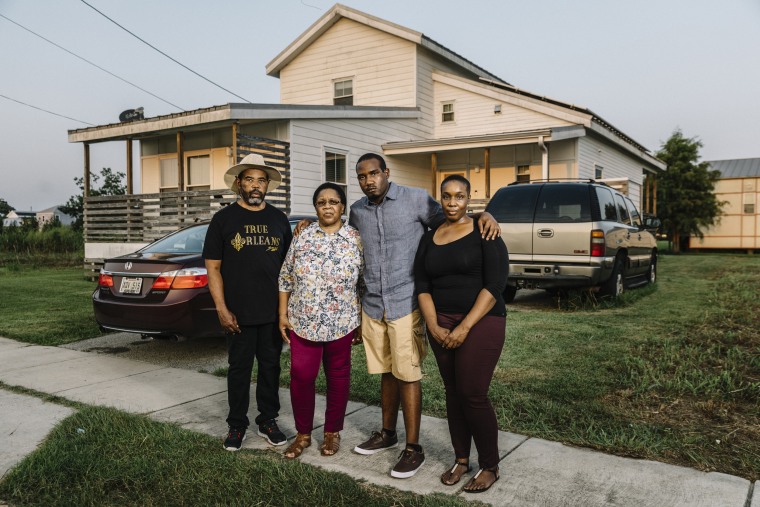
[(161, 290)]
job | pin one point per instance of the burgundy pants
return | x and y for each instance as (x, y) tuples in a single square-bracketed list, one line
[(305, 358), (467, 372)]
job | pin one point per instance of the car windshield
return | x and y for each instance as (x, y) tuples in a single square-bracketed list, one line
[(189, 241)]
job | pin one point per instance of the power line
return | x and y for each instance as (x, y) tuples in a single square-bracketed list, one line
[(169, 57), (91, 63), (46, 111)]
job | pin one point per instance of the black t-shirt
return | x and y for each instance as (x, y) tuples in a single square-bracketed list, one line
[(455, 273), (252, 246)]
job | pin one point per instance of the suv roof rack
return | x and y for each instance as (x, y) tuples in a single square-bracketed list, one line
[(559, 180)]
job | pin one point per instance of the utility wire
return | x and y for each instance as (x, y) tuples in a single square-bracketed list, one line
[(169, 57), (45, 110), (91, 63)]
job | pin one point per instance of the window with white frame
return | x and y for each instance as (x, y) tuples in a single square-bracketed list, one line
[(522, 173), (447, 112), (343, 92), (199, 172), (168, 178), (335, 168), (598, 172)]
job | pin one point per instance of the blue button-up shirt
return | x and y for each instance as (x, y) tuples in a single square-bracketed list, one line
[(390, 233)]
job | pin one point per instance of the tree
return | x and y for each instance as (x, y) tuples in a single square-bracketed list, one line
[(113, 184), (686, 200), (5, 208)]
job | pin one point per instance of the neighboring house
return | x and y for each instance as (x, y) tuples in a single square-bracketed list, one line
[(739, 226), (16, 218), (353, 83), (50, 214)]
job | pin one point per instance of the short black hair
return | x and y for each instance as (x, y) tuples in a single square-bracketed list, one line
[(370, 156), (456, 177), (330, 185)]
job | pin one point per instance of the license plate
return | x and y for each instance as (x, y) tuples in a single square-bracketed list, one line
[(130, 285)]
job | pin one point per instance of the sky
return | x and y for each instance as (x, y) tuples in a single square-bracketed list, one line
[(647, 67)]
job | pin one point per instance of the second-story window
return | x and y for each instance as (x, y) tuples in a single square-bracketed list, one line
[(447, 112), (343, 93), (598, 172)]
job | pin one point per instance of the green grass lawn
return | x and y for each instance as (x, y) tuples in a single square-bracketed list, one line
[(102, 456), (670, 372)]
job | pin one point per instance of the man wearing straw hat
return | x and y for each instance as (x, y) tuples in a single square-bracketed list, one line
[(245, 245)]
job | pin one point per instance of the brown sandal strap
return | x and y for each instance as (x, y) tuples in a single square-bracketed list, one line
[(295, 449), (331, 444), (446, 477)]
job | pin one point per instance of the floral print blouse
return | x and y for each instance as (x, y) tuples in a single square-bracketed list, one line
[(322, 272)]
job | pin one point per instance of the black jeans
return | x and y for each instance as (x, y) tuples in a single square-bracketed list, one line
[(264, 344)]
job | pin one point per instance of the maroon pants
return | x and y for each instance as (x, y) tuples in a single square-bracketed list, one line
[(305, 358), (467, 372)]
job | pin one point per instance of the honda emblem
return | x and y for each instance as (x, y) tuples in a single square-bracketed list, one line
[(128, 266)]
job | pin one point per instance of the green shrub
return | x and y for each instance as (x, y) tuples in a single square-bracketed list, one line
[(50, 240)]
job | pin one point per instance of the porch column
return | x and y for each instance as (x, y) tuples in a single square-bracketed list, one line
[(487, 163), (234, 143), (129, 166), (544, 158), (86, 179), (180, 162), (434, 171), (654, 195)]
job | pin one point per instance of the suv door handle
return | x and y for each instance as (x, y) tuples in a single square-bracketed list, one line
[(545, 233)]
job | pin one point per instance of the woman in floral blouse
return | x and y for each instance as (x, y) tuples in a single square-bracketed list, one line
[(319, 313)]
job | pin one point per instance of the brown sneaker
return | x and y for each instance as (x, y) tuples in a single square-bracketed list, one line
[(410, 461), (378, 441)]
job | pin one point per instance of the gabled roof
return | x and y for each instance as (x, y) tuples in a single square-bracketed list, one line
[(737, 168), (339, 11)]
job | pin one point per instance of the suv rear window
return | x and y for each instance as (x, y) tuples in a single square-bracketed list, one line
[(559, 203), (514, 205)]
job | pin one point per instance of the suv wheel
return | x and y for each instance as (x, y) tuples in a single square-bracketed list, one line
[(615, 285)]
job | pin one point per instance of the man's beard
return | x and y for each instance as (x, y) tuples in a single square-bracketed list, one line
[(251, 199)]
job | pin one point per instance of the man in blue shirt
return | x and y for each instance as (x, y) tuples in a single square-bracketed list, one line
[(391, 219)]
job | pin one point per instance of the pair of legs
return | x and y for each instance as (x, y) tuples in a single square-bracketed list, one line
[(260, 343), (396, 349), (305, 359), (467, 372)]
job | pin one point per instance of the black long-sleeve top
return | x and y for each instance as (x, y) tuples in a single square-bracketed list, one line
[(455, 273)]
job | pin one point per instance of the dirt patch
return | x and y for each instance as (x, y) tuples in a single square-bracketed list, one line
[(108, 350)]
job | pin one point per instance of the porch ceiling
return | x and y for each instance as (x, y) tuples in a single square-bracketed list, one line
[(466, 142)]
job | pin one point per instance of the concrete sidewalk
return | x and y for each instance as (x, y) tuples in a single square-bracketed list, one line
[(534, 471)]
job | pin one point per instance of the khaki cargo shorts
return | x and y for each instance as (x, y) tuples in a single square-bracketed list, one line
[(396, 346)]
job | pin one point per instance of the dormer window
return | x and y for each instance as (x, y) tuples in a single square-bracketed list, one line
[(447, 112), (344, 93)]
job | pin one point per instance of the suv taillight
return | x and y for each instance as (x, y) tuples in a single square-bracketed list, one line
[(597, 243), (105, 280), (191, 278)]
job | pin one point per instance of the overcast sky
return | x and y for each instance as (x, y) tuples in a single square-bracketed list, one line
[(645, 66)]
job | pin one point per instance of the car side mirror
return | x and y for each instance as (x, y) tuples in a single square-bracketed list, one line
[(651, 222)]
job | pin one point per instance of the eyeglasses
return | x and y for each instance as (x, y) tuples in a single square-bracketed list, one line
[(330, 202), (249, 180)]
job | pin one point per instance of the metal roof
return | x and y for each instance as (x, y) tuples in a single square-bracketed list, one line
[(737, 168)]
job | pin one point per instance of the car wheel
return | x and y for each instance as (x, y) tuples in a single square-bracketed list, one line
[(615, 285), (653, 269)]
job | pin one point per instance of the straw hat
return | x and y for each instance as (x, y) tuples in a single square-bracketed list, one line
[(252, 161)]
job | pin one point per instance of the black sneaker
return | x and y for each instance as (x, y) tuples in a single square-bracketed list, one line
[(409, 462), (272, 434), (378, 441), (234, 439)]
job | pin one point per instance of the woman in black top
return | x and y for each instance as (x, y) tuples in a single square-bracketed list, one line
[(460, 278)]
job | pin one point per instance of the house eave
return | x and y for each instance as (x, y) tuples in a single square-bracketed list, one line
[(231, 113), (465, 142)]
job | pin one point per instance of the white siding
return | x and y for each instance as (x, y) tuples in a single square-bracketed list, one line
[(310, 139), (474, 114), (381, 66), (614, 163)]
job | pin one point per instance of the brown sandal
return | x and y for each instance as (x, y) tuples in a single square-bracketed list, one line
[(453, 476), (473, 486), (302, 441), (331, 444)]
